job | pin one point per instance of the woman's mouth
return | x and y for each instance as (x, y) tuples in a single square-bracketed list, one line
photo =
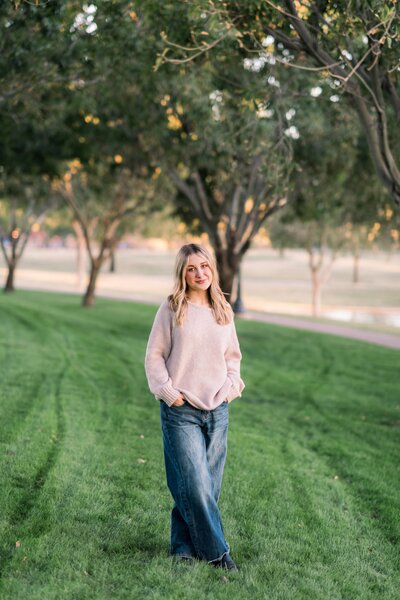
[(202, 281)]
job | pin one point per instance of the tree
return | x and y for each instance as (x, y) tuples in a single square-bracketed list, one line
[(91, 103), (34, 138), (101, 199), (322, 239), (230, 193), (353, 44), (228, 155), (326, 193), (24, 204)]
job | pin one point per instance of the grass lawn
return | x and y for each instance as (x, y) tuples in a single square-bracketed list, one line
[(310, 500)]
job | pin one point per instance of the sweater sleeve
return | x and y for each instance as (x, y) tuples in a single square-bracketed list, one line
[(157, 352), (233, 357)]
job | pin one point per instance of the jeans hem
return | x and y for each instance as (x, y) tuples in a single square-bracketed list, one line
[(219, 557)]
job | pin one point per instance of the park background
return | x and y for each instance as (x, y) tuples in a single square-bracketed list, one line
[(268, 132)]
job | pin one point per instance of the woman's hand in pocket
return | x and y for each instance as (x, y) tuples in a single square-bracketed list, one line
[(179, 401)]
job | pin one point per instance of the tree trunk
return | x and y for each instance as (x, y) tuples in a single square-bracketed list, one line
[(112, 262), (9, 287), (80, 253), (228, 266), (316, 293), (238, 306), (89, 297)]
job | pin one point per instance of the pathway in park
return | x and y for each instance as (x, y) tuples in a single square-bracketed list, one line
[(373, 337)]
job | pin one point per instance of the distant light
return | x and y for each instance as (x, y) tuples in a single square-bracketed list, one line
[(90, 9), (292, 132), (273, 81), (91, 28), (118, 159), (316, 91), (264, 113), (267, 41), (255, 64)]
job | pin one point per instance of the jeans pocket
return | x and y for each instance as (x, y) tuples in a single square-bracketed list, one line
[(179, 406)]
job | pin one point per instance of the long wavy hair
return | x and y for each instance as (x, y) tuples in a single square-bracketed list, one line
[(222, 310)]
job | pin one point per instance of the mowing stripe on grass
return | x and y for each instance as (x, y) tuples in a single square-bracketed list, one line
[(310, 499)]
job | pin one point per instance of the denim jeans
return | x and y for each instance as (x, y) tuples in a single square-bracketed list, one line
[(195, 443)]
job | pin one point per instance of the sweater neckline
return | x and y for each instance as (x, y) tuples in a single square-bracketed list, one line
[(198, 305)]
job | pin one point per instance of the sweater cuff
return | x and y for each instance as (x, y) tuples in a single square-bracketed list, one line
[(169, 394)]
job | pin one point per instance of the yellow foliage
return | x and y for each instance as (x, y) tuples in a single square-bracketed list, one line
[(174, 122), (248, 205), (218, 196), (303, 8), (156, 173), (194, 137), (388, 213), (164, 101), (372, 234)]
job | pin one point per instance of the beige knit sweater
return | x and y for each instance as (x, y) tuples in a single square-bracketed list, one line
[(199, 359)]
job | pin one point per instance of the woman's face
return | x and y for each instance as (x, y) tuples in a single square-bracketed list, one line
[(198, 273)]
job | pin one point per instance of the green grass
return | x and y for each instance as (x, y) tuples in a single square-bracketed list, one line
[(310, 499)]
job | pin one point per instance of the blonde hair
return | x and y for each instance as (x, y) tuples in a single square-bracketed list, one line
[(222, 310)]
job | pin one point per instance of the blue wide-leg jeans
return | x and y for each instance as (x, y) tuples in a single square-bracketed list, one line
[(195, 443)]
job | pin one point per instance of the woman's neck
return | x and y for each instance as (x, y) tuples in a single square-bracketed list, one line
[(199, 298)]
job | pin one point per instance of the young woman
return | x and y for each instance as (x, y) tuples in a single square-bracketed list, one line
[(193, 366)]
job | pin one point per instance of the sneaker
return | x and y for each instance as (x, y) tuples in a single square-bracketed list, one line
[(227, 563)]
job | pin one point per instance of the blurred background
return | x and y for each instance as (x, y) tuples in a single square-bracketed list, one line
[(141, 126)]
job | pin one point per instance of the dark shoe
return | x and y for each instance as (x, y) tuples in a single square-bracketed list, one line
[(227, 563)]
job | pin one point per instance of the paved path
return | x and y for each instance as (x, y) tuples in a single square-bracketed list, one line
[(373, 337)]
